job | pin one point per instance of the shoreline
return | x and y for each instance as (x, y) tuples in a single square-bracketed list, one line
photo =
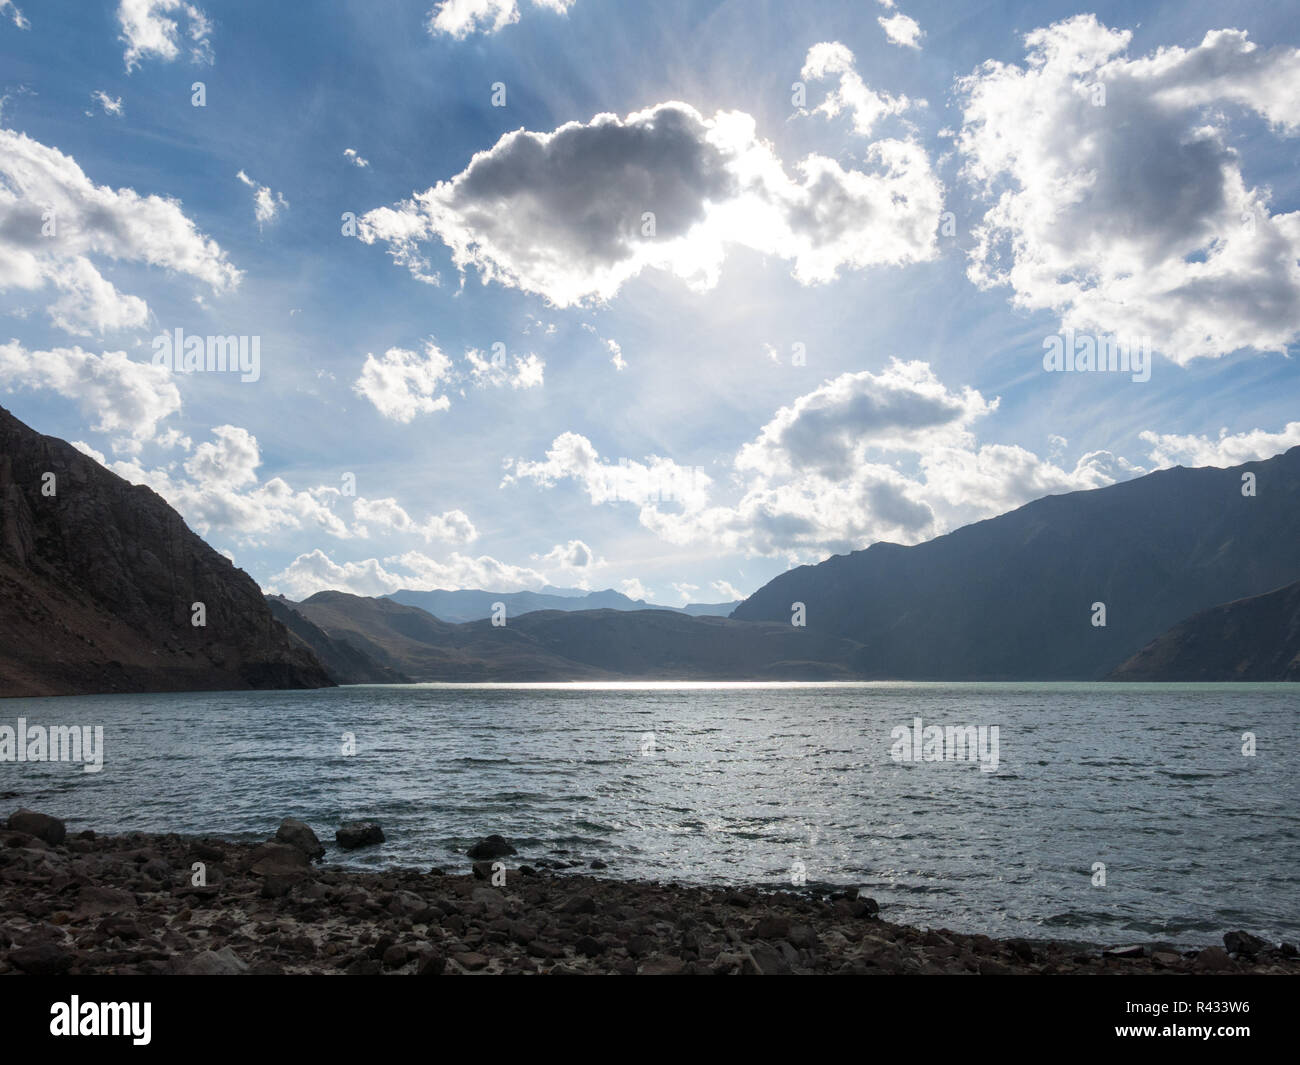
[(133, 904)]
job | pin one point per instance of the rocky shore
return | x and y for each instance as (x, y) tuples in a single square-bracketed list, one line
[(166, 904)]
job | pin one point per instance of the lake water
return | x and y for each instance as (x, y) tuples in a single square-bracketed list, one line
[(748, 784)]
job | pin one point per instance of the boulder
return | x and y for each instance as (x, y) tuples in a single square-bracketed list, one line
[(299, 834), (356, 834), (277, 859), (223, 962), (490, 847), (1244, 943), (42, 959), (42, 826)]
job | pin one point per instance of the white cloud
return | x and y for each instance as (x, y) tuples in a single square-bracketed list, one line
[(529, 370), (403, 384), (122, 398), (153, 28), (452, 526), (53, 220), (1228, 449), (686, 591), (574, 555), (727, 591), (570, 214), (865, 457), (111, 105), (902, 30), (864, 104), (634, 589), (1118, 200), (315, 571), (266, 204), (616, 355), (351, 155), (460, 18), (8, 7)]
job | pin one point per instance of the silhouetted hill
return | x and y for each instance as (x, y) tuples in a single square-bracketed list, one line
[(576, 645), (1252, 639), (1011, 597), (345, 663), (98, 582), (475, 605)]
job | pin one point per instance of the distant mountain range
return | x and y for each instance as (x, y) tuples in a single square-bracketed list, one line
[(100, 584), (1013, 597), (473, 605), (100, 581), (550, 645)]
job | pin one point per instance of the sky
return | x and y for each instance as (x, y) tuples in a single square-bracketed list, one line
[(665, 297)]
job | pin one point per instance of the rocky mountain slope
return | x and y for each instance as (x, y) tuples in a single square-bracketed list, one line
[(475, 605), (1255, 639), (98, 584), (1012, 597)]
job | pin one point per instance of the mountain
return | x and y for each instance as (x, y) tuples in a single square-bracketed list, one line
[(345, 663), (710, 610), (555, 645), (98, 584), (475, 605), (1012, 597), (1251, 639)]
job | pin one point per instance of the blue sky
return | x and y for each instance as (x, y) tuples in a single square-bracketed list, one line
[(868, 219)]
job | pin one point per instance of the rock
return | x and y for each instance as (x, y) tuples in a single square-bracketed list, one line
[(432, 965), (395, 957), (471, 961), (596, 863), (223, 962), (1212, 958), (277, 859), (575, 904), (771, 926), (364, 967), (668, 966), (1163, 959), (299, 834), (43, 959), (768, 961), (42, 826), (993, 967), (1134, 951), (588, 946), (1244, 943), (94, 900), (356, 834), (482, 870), (490, 847)]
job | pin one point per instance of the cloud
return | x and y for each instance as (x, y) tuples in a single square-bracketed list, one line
[(634, 589), (8, 7), (574, 555), (351, 155), (1117, 199), (1169, 449), (460, 18), (403, 384), (266, 204), (864, 104), (315, 571), (529, 371), (728, 591), (153, 28), (218, 491), (902, 31), (574, 214), (861, 458), (53, 220), (109, 104), (616, 355), (686, 591), (122, 398), (452, 526)]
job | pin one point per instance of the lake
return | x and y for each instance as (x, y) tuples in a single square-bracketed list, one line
[(756, 784)]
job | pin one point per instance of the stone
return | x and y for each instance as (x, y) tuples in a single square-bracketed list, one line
[(1244, 943), (771, 926), (223, 962), (490, 847), (395, 957), (356, 834), (42, 959), (664, 966), (94, 900), (1134, 951), (272, 859), (1212, 958), (42, 826), (299, 834)]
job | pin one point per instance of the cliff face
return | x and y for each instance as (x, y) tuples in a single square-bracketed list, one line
[(98, 582), (1256, 639)]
